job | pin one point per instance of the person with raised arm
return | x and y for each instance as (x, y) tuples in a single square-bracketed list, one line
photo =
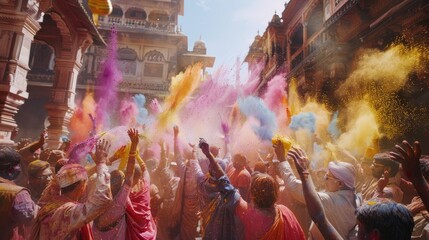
[(112, 224), (312, 200), (217, 221), (262, 218), (140, 222), (62, 216), (168, 186), (186, 209), (27, 156), (339, 200)]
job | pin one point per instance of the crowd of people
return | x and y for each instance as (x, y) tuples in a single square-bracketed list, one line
[(207, 191)]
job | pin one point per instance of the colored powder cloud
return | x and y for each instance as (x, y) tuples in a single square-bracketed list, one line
[(182, 86), (140, 101), (107, 82), (254, 107), (305, 120)]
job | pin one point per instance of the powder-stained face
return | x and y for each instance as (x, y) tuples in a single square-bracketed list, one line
[(43, 178), (377, 170), (332, 183)]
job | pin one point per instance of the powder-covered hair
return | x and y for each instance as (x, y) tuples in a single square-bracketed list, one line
[(264, 191)]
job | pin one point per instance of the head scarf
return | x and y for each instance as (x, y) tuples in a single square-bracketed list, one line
[(71, 173), (345, 172)]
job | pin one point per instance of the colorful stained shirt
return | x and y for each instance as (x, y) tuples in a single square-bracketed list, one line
[(168, 188), (63, 218), (16, 209), (186, 208), (111, 224)]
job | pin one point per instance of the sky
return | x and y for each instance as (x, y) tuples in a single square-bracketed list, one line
[(228, 27)]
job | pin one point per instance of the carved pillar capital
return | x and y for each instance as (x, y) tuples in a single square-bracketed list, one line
[(17, 30)]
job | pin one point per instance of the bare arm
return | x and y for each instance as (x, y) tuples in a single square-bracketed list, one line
[(177, 154), (312, 200), (129, 172), (205, 148)]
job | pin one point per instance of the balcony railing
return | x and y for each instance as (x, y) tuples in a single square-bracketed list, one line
[(136, 24)]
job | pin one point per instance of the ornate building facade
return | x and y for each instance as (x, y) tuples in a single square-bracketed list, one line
[(63, 27), (151, 50), (151, 47), (316, 41)]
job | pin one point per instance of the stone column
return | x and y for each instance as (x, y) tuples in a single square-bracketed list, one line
[(17, 30), (62, 103)]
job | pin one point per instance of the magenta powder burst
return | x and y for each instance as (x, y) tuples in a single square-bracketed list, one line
[(107, 82)]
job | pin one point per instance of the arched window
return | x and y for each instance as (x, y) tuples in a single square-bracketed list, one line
[(117, 11), (154, 56), (154, 64), (136, 13)]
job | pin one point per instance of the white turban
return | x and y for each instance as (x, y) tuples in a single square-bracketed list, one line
[(345, 172)]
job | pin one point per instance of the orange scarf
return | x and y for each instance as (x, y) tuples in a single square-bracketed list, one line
[(285, 226)]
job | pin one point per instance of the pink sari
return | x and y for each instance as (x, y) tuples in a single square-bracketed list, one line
[(140, 223)]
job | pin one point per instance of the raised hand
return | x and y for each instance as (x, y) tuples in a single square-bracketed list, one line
[(279, 150), (205, 148), (134, 137), (409, 157), (383, 181), (300, 159), (176, 131), (101, 149)]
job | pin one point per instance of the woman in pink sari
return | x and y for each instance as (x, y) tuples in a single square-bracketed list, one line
[(262, 218), (140, 223)]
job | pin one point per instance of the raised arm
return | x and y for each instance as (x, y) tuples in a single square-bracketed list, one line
[(205, 148), (27, 151), (129, 172), (312, 200), (409, 157), (98, 200), (177, 155), (292, 183)]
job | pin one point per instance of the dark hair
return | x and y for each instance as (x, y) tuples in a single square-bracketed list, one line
[(386, 160), (264, 190), (9, 157), (392, 220), (70, 188)]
